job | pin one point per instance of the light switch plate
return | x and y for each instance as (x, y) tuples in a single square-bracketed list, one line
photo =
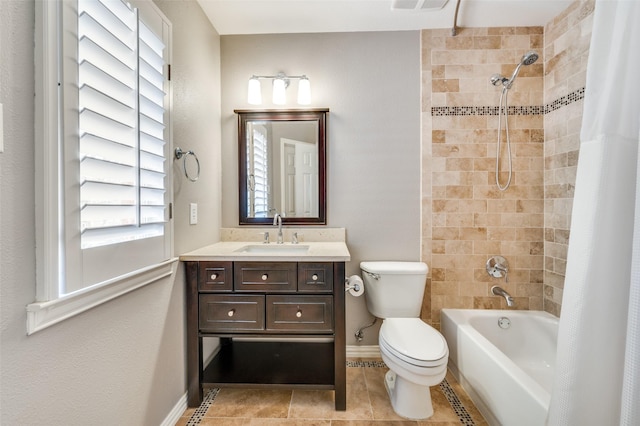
[(193, 213)]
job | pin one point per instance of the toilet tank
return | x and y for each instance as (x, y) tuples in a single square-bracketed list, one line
[(394, 289)]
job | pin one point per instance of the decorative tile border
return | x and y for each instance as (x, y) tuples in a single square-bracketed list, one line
[(208, 399), (462, 413), (572, 97)]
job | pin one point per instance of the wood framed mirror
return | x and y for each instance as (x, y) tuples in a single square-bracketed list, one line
[(282, 166)]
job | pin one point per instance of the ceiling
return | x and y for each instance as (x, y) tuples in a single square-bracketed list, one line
[(314, 16)]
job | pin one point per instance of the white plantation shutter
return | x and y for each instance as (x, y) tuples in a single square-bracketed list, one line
[(121, 125), (259, 177), (104, 141), (116, 200)]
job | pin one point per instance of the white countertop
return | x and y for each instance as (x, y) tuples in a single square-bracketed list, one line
[(234, 250)]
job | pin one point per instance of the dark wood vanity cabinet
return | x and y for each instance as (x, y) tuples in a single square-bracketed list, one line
[(280, 324)]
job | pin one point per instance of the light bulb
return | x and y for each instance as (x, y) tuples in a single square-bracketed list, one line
[(255, 91), (279, 92), (304, 91)]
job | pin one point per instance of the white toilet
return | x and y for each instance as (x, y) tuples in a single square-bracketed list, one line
[(415, 352)]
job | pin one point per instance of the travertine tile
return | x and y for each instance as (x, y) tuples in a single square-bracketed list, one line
[(261, 403), (544, 151), (320, 404)]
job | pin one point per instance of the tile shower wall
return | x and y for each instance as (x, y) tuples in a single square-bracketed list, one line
[(466, 219), (566, 49)]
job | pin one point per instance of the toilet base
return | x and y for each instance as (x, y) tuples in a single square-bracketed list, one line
[(408, 399)]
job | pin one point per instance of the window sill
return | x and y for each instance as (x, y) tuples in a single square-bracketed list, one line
[(41, 315)]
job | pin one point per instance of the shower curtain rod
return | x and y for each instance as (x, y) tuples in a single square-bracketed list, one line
[(454, 30)]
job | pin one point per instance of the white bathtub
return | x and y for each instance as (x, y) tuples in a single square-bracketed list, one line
[(507, 372)]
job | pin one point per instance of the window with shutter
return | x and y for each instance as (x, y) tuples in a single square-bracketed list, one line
[(258, 194), (106, 229)]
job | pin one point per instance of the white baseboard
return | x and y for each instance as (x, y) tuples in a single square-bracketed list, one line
[(176, 412), (361, 351)]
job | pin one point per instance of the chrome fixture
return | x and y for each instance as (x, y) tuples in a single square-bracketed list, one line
[(280, 83), (497, 79), (360, 332), (497, 267), (504, 323), (294, 238), (277, 221), (527, 59), (499, 291), (179, 153), (266, 238)]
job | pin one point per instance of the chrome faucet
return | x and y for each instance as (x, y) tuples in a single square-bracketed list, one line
[(277, 220), (499, 291)]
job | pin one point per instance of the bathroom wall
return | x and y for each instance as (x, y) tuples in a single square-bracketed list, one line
[(566, 50), (371, 84), (195, 74), (123, 362), (466, 219)]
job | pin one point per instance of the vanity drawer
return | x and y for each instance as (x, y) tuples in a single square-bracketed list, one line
[(215, 276), (300, 313), (273, 277), (221, 312), (315, 277)]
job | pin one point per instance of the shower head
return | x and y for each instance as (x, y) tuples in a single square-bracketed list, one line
[(527, 59)]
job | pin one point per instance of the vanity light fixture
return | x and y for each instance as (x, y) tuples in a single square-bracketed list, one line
[(280, 84)]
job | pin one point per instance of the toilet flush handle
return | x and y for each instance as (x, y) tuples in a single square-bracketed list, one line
[(372, 275)]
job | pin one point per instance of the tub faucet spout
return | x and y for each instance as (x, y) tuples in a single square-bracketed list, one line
[(499, 291)]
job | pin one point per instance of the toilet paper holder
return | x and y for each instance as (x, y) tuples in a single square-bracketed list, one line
[(354, 285), (348, 286)]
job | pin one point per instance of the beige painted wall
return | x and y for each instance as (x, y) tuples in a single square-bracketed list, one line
[(123, 362), (371, 83)]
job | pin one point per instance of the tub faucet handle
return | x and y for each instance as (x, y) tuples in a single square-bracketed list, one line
[(497, 266)]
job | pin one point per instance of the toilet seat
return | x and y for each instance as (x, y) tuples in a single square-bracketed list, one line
[(414, 342)]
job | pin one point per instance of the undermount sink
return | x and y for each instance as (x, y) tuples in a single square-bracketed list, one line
[(274, 249)]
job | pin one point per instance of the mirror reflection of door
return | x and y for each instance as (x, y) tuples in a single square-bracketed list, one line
[(299, 178)]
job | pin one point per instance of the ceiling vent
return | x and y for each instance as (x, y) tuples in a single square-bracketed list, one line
[(417, 5)]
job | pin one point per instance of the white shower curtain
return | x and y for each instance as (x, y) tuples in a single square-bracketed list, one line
[(598, 367)]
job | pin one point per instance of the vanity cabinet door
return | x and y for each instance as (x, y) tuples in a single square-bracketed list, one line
[(231, 313), (215, 276), (272, 277), (300, 313), (315, 277)]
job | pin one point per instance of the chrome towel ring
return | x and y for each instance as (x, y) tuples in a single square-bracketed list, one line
[(184, 154)]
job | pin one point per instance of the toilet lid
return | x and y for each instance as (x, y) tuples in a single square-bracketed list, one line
[(413, 341)]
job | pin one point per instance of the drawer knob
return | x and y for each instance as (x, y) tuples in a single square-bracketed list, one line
[(299, 313), (314, 277), (231, 312), (214, 276), (264, 277)]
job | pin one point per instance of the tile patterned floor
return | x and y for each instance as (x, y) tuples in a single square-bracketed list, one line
[(367, 404)]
